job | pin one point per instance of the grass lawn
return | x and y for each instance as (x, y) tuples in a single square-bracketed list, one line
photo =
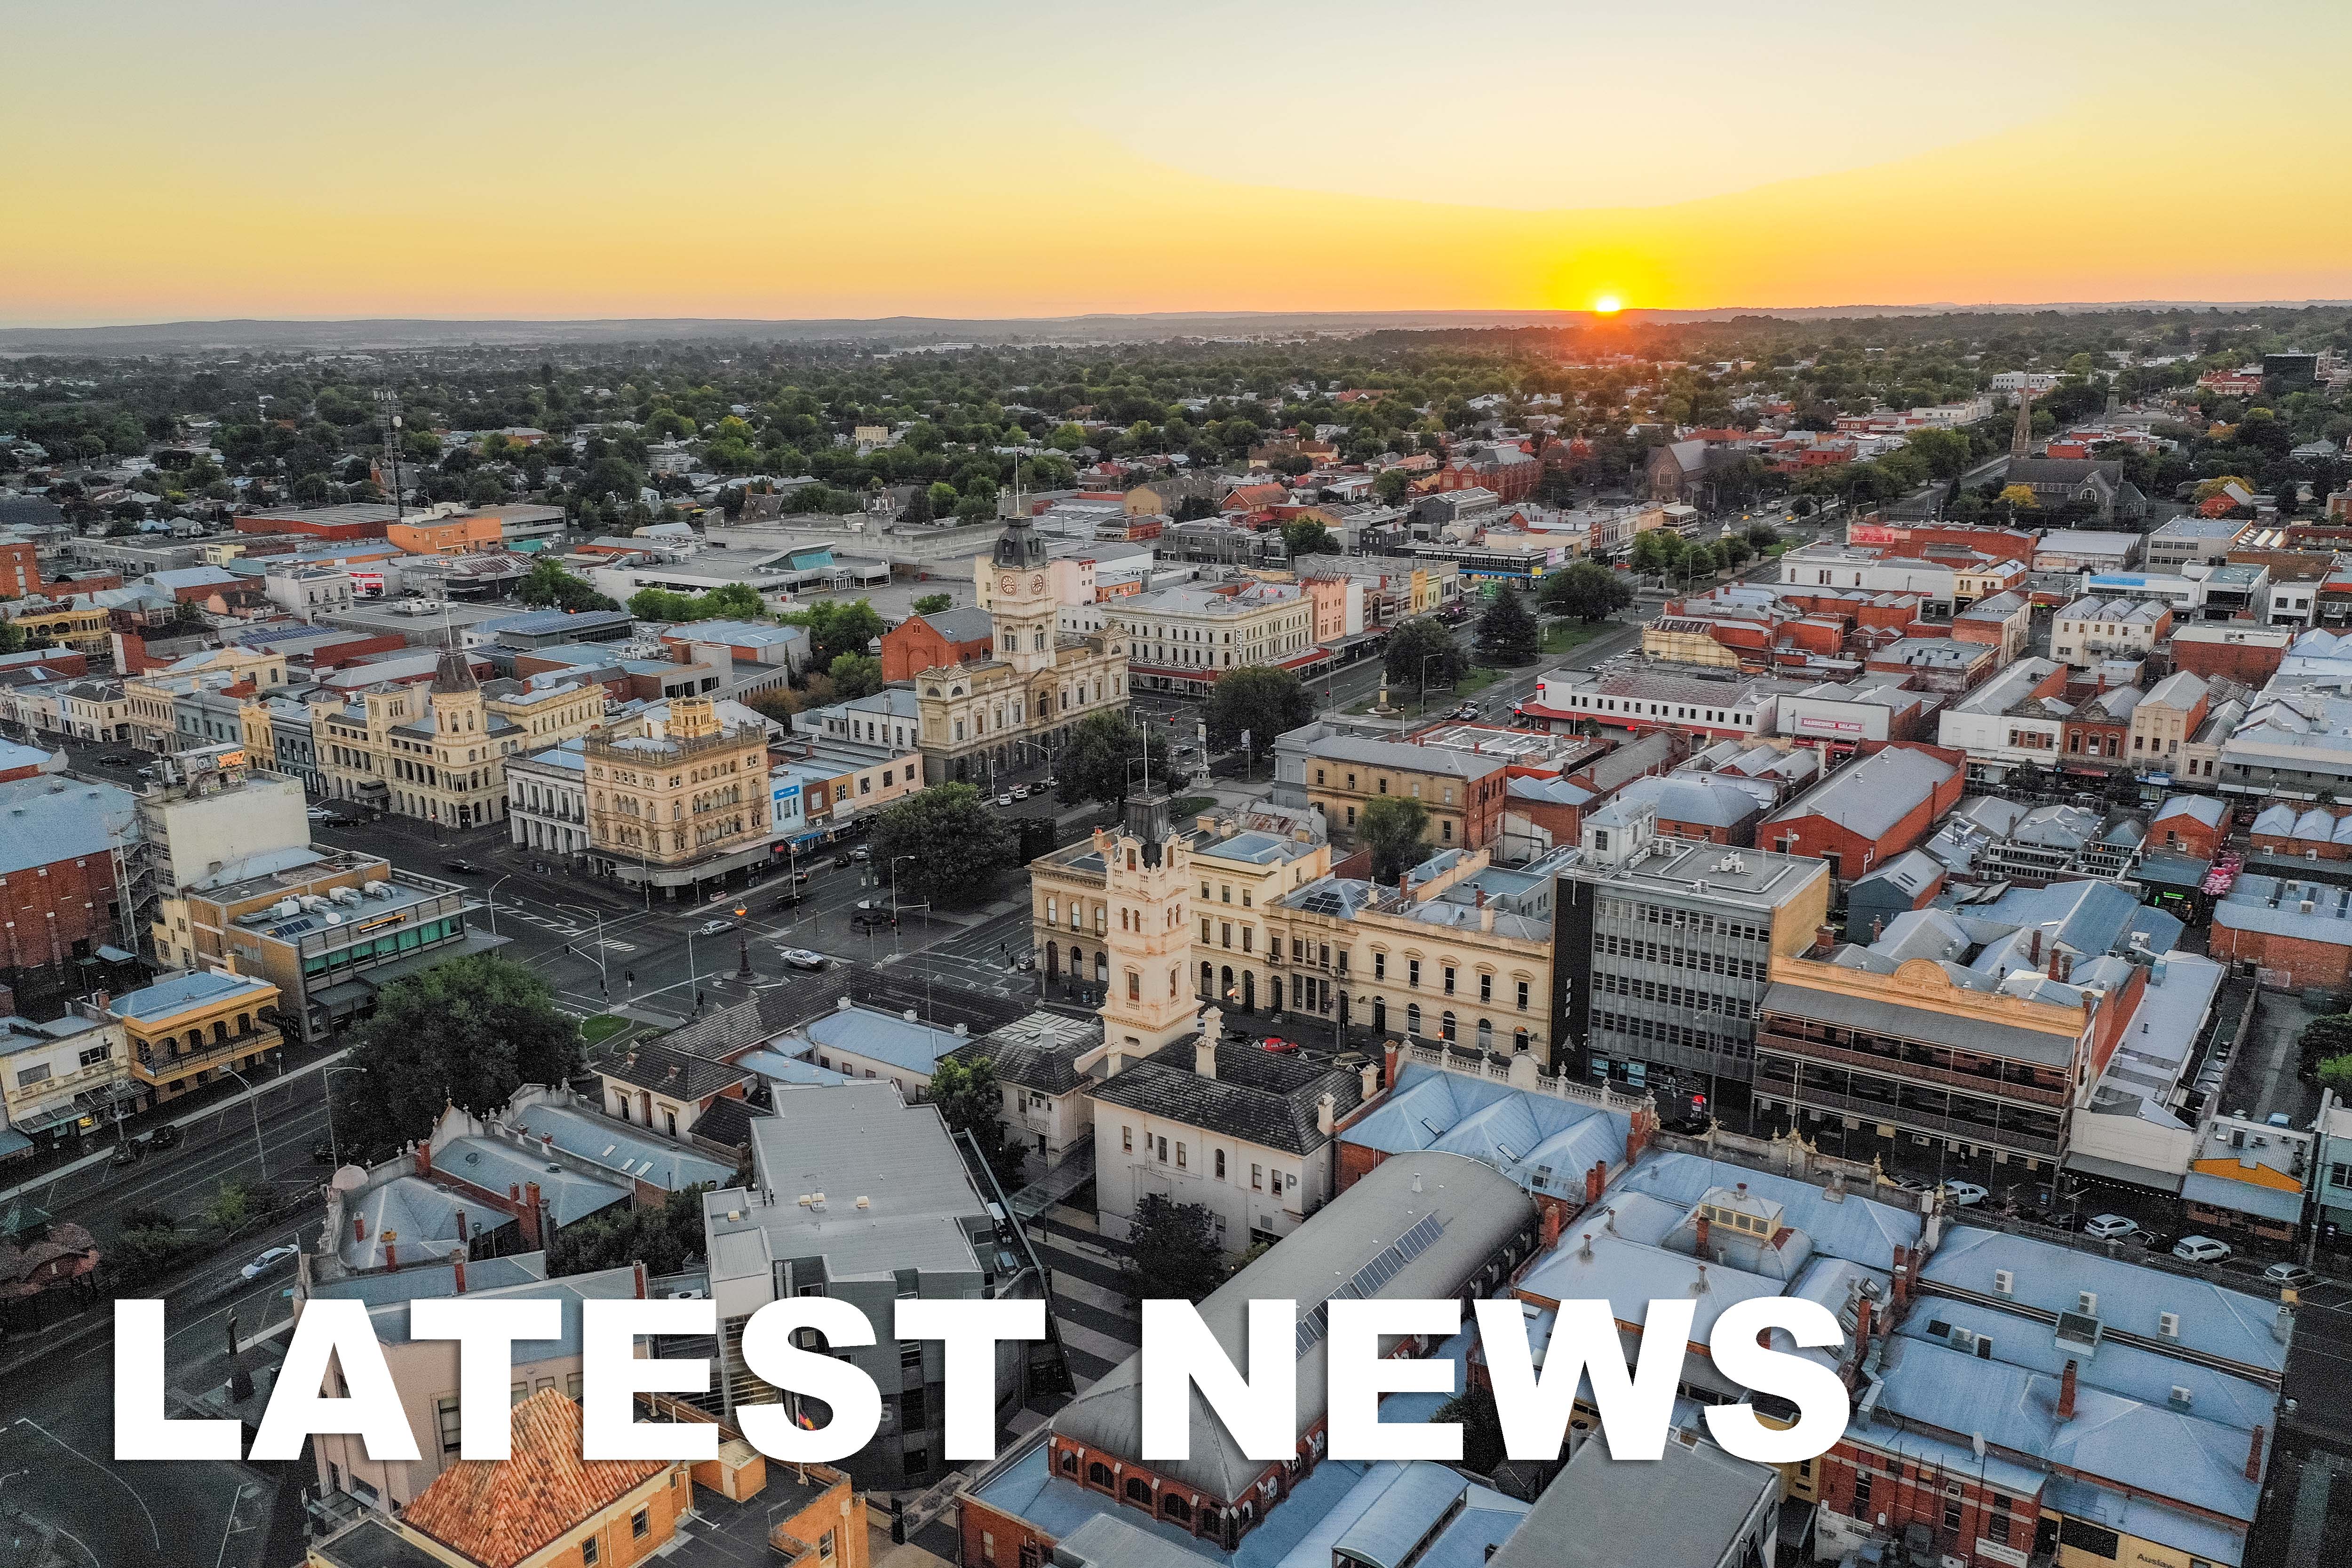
[(602, 1028), (1477, 680), (1559, 636), (1192, 806)]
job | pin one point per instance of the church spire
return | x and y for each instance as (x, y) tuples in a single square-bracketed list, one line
[(2021, 440)]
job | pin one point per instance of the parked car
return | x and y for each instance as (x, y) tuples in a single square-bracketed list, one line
[(802, 958), (118, 760), (125, 1154), (1021, 792), (462, 868), (1004, 799), (1049, 782), (1968, 1195), (2289, 1275), (861, 853), (2110, 1228), (2199, 1249), (714, 928), (1277, 1044), (275, 1258), (842, 862), (164, 1137)]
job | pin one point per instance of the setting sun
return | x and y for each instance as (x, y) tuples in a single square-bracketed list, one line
[(1607, 305)]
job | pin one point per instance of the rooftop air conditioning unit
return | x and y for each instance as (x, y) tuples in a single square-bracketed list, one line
[(2181, 1397), (2168, 1325), (2004, 1282)]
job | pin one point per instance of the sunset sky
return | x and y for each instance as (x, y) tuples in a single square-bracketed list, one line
[(216, 158)]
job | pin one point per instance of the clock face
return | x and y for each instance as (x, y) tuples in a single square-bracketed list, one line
[(1009, 584), (1036, 584)]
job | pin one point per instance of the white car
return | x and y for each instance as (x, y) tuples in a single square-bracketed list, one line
[(802, 958), (714, 928), (1005, 799), (268, 1261), (2110, 1228), (1021, 792), (2199, 1249), (1968, 1195)]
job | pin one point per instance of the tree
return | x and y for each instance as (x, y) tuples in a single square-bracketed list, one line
[(1474, 1411), (1173, 1252), (835, 628), (1098, 764), (1659, 549), (1305, 536), (970, 1096), (467, 1032), (1588, 591), (932, 604), (855, 675), (548, 587), (2019, 497), (1395, 828), (2335, 1073), (955, 846), (1507, 633), (667, 1238), (1390, 486), (12, 638), (1422, 654), (1763, 536), (1259, 698), (2323, 1039)]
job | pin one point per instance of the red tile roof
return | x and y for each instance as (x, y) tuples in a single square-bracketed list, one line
[(499, 1512)]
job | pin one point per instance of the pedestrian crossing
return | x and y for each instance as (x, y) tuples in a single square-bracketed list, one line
[(1098, 1325)]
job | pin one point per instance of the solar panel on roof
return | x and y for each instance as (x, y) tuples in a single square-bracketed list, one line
[(1367, 1281)]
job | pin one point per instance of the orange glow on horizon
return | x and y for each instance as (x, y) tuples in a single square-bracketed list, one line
[(1607, 305)]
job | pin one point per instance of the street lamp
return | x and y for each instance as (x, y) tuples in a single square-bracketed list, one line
[(253, 1103), (326, 1086), (493, 897)]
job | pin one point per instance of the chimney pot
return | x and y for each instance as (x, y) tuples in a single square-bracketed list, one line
[(2066, 1394)]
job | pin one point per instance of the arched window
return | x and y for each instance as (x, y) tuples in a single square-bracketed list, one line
[(1098, 1475), (1518, 1041), (1486, 1035), (1445, 1028), (1208, 980), (1176, 1508), (1138, 1490), (1413, 1018), (1070, 1462)]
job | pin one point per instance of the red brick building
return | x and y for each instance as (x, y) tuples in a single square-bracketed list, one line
[(2249, 654), (1870, 811), (59, 901), (2304, 938), (935, 641), (20, 572), (2192, 824)]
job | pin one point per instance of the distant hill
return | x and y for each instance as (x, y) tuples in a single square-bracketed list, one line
[(916, 332)]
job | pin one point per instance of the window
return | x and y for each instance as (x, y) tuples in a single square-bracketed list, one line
[(1523, 995), (1221, 1165), (1861, 1495), (1997, 1522), (641, 1524), (445, 1412), (1413, 971), (2089, 1538), (1127, 1139), (1380, 966), (1486, 988), (1179, 1156), (1159, 1151), (588, 1551), (1257, 1178), (1449, 980)]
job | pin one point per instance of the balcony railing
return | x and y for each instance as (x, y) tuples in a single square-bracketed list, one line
[(158, 1066), (1992, 1083), (1913, 1120)]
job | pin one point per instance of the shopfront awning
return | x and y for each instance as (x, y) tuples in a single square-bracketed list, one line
[(2122, 1174)]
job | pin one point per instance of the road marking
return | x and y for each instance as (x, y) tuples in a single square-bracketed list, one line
[(118, 1480)]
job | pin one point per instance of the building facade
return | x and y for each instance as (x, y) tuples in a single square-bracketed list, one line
[(692, 804)]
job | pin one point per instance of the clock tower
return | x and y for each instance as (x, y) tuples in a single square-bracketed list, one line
[(1016, 584)]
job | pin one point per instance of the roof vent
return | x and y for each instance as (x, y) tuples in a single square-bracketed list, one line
[(2181, 1397), (2168, 1325), (2004, 1282), (863, 1202), (2087, 1303)]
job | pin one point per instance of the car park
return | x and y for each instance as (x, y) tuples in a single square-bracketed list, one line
[(2199, 1249), (802, 958), (276, 1257)]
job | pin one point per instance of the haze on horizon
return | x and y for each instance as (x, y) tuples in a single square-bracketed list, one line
[(741, 159)]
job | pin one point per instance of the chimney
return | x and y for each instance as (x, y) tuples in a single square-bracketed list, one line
[(1594, 1179), (529, 1216), (2033, 951), (1862, 1327), (1371, 1081), (462, 1232), (424, 1161), (1325, 1109), (1404, 884), (458, 1261), (2066, 1393), (1205, 1054), (1702, 1231), (359, 1228), (2054, 964), (1393, 1062), (1550, 1227), (640, 1272), (390, 1252), (1902, 1277), (1486, 914), (1825, 939), (1481, 893), (2254, 1455)]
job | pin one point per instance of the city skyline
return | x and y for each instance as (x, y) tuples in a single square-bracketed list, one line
[(818, 162)]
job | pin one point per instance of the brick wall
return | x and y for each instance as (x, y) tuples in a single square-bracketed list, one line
[(48, 909), (2317, 965), (912, 647)]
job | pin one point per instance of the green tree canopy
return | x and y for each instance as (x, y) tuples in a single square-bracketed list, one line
[(547, 585), (1305, 536), (835, 628), (1260, 699), (855, 675), (1173, 1252), (667, 1238), (1395, 828), (970, 1097), (1415, 641), (2325, 1039), (1508, 632), (1587, 590), (470, 1031), (954, 843), (1098, 764), (932, 604)]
